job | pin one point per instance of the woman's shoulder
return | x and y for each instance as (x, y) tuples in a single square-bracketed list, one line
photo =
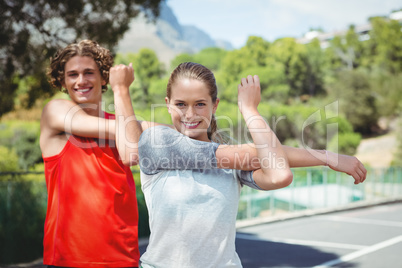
[(148, 124), (159, 133)]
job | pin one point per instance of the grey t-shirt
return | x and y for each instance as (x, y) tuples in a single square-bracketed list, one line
[(192, 204)]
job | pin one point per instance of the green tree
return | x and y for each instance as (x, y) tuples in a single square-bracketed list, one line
[(210, 57), (31, 32), (293, 58), (385, 44), (184, 57), (257, 49), (157, 90), (335, 54), (317, 68), (23, 211), (233, 64), (26, 145), (357, 102), (8, 160), (147, 69), (348, 51), (345, 143), (22, 141), (388, 93)]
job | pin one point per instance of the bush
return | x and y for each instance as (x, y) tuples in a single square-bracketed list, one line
[(357, 102), (345, 143), (8, 160), (22, 210), (23, 204), (22, 139)]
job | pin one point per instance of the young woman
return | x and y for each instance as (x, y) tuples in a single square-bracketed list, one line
[(92, 217), (192, 183)]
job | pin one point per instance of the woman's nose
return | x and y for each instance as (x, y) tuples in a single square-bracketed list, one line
[(190, 112)]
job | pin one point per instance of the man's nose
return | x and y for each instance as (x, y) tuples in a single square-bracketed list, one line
[(81, 79)]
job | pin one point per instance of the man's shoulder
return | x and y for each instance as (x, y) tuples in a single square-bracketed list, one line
[(57, 105)]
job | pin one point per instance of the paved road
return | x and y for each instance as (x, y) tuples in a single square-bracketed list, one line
[(366, 237)]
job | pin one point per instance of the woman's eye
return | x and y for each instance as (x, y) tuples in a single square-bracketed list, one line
[(180, 104), (200, 104)]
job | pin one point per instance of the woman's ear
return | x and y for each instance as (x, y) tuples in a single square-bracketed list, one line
[(215, 106), (167, 104)]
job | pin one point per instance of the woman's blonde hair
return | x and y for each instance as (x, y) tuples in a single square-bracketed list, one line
[(88, 48), (196, 71)]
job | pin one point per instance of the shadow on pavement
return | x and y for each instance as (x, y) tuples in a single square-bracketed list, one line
[(255, 253)]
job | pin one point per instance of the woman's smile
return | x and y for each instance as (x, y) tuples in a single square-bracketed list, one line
[(191, 125)]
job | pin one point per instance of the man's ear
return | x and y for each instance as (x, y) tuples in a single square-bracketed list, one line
[(63, 87)]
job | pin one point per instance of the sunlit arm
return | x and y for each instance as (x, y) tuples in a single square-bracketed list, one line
[(128, 129), (274, 171), (64, 116)]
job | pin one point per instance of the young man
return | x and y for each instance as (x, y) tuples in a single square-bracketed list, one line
[(92, 216)]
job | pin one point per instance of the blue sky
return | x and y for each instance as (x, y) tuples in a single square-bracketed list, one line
[(235, 20)]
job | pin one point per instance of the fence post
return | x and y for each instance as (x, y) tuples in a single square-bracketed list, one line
[(249, 203), (339, 187), (272, 203), (325, 182), (292, 198), (399, 180), (309, 182)]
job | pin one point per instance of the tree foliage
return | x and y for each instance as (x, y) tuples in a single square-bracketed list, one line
[(386, 44), (147, 69), (360, 70), (353, 90), (23, 211), (32, 30)]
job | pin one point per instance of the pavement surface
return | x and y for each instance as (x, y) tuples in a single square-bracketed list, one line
[(369, 237), (366, 237)]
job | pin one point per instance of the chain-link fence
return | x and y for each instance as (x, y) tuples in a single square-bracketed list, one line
[(319, 190)]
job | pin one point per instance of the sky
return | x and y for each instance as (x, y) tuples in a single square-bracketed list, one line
[(236, 20)]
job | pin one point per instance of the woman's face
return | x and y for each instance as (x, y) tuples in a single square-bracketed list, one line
[(191, 108), (82, 80)]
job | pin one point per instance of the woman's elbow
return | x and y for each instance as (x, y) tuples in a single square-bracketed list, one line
[(285, 179), (277, 181)]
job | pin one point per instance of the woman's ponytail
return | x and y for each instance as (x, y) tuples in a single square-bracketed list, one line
[(213, 133)]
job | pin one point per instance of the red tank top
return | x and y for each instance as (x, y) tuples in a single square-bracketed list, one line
[(92, 214)]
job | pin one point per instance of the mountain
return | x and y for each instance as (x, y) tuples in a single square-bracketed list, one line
[(166, 36)]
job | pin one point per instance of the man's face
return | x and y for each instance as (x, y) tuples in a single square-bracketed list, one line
[(82, 80)]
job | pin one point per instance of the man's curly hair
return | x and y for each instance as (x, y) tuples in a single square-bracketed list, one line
[(89, 48)]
